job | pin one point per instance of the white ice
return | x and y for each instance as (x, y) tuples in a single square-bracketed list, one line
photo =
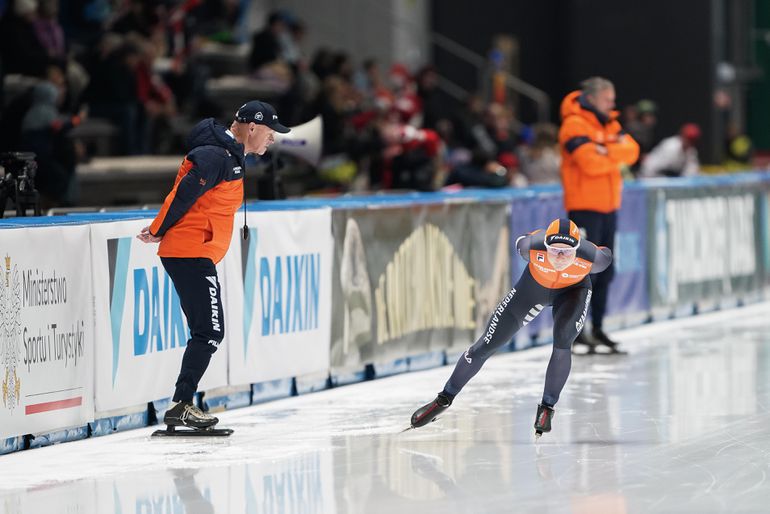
[(680, 424)]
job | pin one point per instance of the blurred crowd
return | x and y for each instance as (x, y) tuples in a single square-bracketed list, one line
[(135, 72)]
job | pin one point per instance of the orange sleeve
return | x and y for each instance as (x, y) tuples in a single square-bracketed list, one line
[(625, 150), (592, 163), (184, 168), (575, 139)]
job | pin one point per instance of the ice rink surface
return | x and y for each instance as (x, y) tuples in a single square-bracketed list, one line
[(680, 424)]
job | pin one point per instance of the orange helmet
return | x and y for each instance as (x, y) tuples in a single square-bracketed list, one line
[(562, 230)]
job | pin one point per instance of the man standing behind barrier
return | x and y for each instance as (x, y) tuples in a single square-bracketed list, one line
[(194, 228), (595, 152)]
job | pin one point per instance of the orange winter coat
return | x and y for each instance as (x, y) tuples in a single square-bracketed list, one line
[(196, 219), (592, 150)]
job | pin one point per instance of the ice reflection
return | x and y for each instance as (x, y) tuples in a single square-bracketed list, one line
[(679, 425)]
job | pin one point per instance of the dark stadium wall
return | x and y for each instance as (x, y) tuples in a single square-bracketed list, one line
[(655, 49)]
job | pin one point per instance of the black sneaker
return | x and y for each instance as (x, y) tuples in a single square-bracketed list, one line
[(604, 339), (543, 419), (188, 415), (430, 411)]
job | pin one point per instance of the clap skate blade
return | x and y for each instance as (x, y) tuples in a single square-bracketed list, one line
[(173, 431)]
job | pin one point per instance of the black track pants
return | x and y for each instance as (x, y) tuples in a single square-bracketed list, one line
[(197, 284)]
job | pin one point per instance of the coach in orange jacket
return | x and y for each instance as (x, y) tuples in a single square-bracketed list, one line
[(194, 228), (594, 148)]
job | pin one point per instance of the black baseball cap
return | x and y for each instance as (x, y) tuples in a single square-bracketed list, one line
[(261, 113)]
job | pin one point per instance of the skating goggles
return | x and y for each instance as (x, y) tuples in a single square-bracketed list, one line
[(559, 251)]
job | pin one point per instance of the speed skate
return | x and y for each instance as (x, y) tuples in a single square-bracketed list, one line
[(185, 419), (173, 431)]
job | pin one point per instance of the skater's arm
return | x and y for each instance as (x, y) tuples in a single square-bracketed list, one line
[(602, 259), (524, 244)]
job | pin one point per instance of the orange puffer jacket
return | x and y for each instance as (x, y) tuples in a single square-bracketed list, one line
[(593, 148), (196, 219)]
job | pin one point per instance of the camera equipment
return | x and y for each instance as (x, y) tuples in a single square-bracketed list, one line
[(17, 184)]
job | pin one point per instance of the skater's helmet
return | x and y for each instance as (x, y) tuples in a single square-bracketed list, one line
[(562, 230)]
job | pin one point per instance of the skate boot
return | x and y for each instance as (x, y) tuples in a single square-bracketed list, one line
[(430, 411), (543, 419), (185, 414), (603, 339)]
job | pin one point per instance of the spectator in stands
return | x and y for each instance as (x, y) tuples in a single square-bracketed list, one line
[(43, 131), (498, 121), (368, 82), (411, 158), (739, 148), (541, 161), (401, 96), (48, 30), (675, 156), (144, 17), (2, 83), (215, 20), (51, 37), (433, 108), (642, 129), (157, 102), (468, 125), (112, 92), (513, 175), (20, 46), (594, 149), (12, 115), (266, 44), (336, 103), (482, 171), (290, 40), (322, 64)]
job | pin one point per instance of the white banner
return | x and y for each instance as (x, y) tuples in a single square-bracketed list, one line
[(46, 330), (140, 326), (278, 308)]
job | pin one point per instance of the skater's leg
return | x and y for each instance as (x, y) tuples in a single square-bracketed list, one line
[(505, 321), (517, 308), (198, 287), (569, 312)]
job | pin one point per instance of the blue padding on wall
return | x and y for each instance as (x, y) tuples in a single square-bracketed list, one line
[(228, 401), (112, 424), (312, 383), (12, 444), (271, 390), (347, 377), (61, 436), (159, 408), (391, 368), (426, 361)]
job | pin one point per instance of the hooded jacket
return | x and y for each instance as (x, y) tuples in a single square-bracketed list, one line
[(593, 147), (196, 219)]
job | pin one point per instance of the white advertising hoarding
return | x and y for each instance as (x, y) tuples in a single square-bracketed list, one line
[(278, 306), (140, 327), (46, 330)]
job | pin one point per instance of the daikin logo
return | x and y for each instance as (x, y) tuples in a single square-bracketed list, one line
[(288, 287), (157, 317)]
